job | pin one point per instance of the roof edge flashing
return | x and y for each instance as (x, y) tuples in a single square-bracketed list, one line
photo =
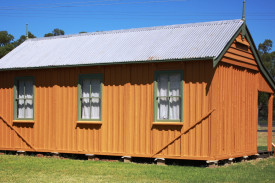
[(107, 63)]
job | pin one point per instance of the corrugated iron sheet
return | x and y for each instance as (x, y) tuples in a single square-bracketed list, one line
[(186, 41)]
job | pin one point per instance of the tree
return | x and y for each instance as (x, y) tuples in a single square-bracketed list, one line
[(6, 44), (58, 32), (55, 32), (267, 56), (5, 38), (268, 59), (48, 35)]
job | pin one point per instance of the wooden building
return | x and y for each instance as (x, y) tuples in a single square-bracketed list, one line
[(181, 92)]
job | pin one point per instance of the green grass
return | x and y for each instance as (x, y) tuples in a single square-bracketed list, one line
[(262, 137), (32, 169)]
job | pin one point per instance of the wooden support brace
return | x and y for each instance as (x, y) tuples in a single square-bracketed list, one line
[(24, 139), (184, 132)]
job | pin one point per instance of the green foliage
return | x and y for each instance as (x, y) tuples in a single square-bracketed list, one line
[(5, 49), (6, 44), (48, 35), (5, 38), (55, 32), (32, 169), (268, 59)]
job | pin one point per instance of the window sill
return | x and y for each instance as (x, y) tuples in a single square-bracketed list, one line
[(89, 122), (168, 123), (23, 121)]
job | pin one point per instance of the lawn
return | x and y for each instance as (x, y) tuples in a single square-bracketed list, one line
[(33, 169), (262, 135)]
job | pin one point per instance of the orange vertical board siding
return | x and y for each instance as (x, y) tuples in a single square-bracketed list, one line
[(236, 104), (127, 112)]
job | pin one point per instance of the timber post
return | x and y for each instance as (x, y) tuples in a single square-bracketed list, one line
[(270, 120)]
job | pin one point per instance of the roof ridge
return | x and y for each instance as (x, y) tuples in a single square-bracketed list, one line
[(138, 29)]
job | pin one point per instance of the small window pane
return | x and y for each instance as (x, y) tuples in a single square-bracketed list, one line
[(162, 85), (85, 108), (174, 80), (174, 110), (29, 109), (95, 108), (21, 89), (95, 88), (86, 88), (162, 108), (20, 108), (28, 89)]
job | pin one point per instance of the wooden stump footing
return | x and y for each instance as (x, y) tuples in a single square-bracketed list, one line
[(20, 153), (127, 159), (91, 157), (160, 161), (212, 163), (55, 154)]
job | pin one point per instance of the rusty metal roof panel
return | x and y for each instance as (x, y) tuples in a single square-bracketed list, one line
[(184, 41)]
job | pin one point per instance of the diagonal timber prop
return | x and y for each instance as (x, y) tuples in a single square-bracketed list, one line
[(184, 132), (24, 139)]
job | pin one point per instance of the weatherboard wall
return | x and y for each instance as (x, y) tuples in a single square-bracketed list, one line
[(127, 122)]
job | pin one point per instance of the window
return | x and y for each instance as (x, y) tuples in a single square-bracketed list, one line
[(89, 97), (24, 98), (168, 95)]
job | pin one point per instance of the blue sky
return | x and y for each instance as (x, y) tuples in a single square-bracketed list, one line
[(74, 16)]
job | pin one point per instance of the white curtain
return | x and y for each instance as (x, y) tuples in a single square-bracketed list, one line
[(95, 92), (20, 106), (29, 95), (162, 96), (86, 101), (174, 92)]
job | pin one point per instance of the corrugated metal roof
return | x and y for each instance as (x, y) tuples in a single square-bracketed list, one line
[(185, 41)]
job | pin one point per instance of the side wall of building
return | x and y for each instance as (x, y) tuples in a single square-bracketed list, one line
[(127, 127), (234, 123), (235, 86)]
